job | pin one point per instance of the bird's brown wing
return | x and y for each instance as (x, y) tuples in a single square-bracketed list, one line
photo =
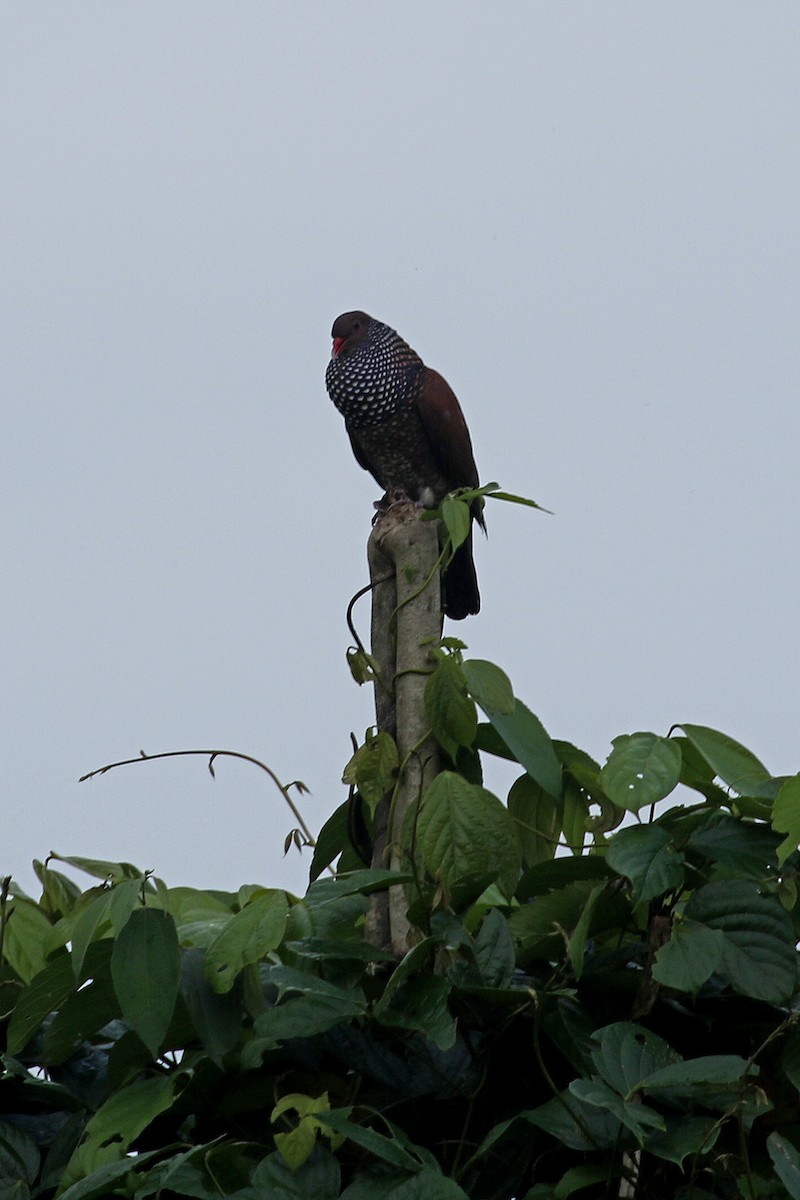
[(447, 433), (360, 456)]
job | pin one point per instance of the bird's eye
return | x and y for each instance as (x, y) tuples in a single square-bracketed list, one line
[(356, 325)]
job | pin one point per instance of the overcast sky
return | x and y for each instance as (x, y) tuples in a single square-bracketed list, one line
[(585, 215)]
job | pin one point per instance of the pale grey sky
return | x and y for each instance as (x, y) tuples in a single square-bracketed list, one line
[(585, 215)]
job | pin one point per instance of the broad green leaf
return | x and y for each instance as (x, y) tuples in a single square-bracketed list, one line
[(577, 1178), (373, 768), (758, 955), (145, 966), (559, 872), (642, 769), (100, 868), (489, 685), (733, 763), (96, 1185), (743, 846), (635, 1116), (117, 1124), (217, 1018), (712, 1068), (319, 1177), (92, 923), (26, 932), (683, 1136), (449, 709), (389, 1149), (421, 1004), (457, 520), (494, 950), (786, 817), (624, 1054), (333, 838), (645, 854), (527, 739), (690, 957), (790, 1059), (536, 816), (576, 1123), (19, 1156), (46, 992), (247, 937), (84, 1011), (537, 925), (786, 1160), (466, 838)]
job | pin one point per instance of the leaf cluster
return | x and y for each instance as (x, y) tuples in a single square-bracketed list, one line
[(601, 1000)]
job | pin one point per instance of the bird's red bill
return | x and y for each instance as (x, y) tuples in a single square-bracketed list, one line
[(337, 345)]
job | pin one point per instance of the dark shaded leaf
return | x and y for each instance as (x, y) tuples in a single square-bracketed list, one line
[(145, 966)]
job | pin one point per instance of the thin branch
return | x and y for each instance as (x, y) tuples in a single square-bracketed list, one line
[(211, 755)]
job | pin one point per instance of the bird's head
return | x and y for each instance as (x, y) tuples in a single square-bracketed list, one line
[(349, 331)]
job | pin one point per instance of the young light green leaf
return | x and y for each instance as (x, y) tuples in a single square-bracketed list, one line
[(457, 520), (642, 769), (145, 966), (373, 768)]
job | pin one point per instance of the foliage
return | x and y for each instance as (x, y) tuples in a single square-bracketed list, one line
[(592, 1005)]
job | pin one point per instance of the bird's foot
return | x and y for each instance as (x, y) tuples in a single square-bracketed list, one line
[(393, 498)]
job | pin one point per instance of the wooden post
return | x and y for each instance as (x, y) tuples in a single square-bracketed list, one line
[(406, 620)]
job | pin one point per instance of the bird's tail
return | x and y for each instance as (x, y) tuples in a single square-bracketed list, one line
[(461, 597)]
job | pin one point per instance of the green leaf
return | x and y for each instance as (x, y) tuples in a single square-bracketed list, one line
[(373, 768), (448, 707), (319, 1177), (388, 1149), (645, 854), (536, 817), (145, 967), (630, 1113), (489, 685), (527, 739), (83, 1012), (95, 1186), (729, 760), (758, 956), (682, 1137), (786, 1160), (217, 1018), (43, 995), (690, 957), (26, 932), (421, 1004), (333, 838), (247, 937), (113, 1128), (457, 520), (624, 1054), (576, 945), (786, 817), (681, 1077), (744, 846), (466, 839), (575, 1123), (642, 769), (577, 1178), (100, 868), (574, 815), (494, 950), (536, 925), (90, 924), (19, 1157), (298, 1144)]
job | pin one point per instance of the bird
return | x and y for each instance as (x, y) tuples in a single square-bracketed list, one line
[(407, 429)]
